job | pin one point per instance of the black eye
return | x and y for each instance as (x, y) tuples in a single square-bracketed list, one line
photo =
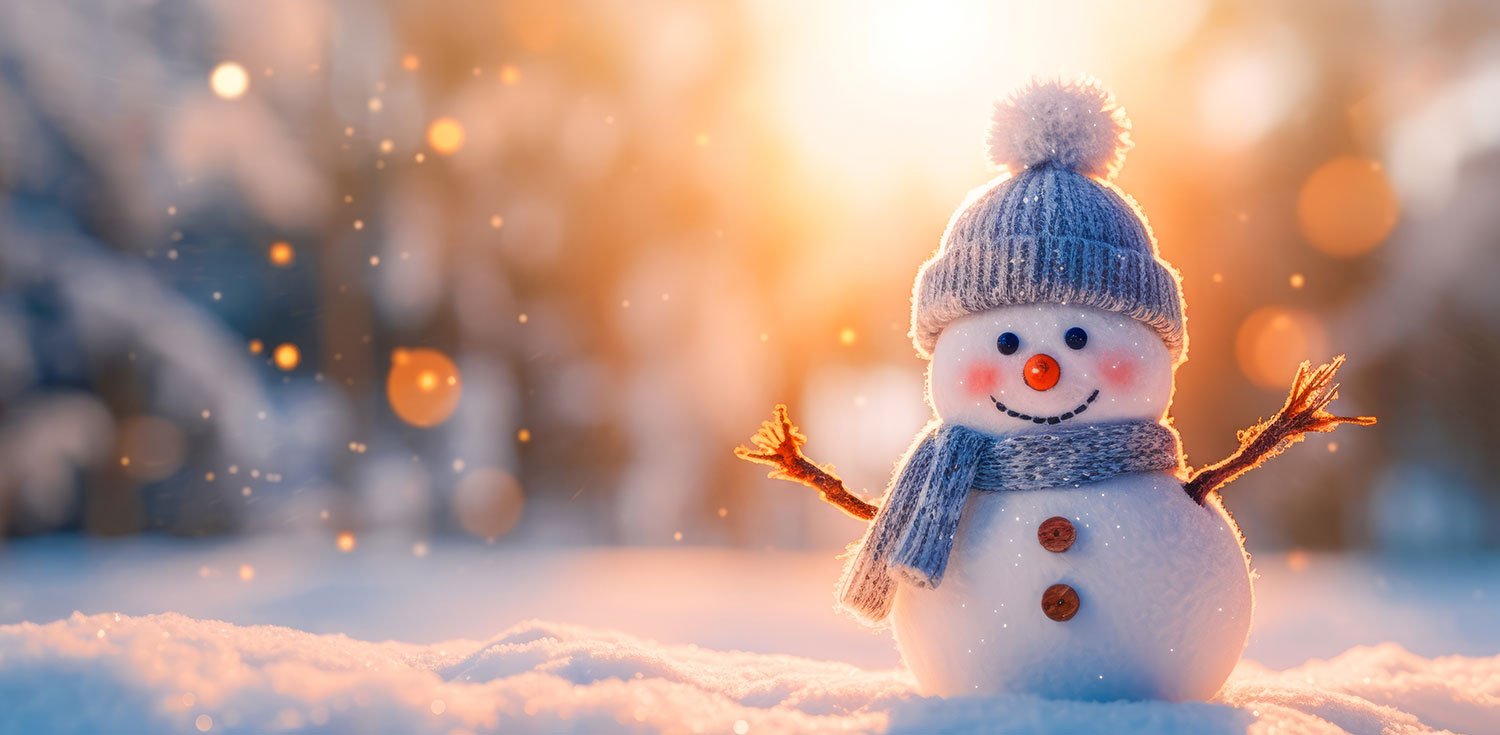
[(1076, 338), (1008, 343)]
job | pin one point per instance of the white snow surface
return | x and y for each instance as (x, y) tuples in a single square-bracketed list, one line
[(655, 640), (169, 673)]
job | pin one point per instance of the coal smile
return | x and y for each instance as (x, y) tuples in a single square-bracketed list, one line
[(1046, 419)]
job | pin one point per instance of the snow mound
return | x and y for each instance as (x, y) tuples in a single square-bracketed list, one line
[(174, 674)]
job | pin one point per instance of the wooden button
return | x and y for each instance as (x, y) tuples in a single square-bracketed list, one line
[(1056, 534), (1060, 602)]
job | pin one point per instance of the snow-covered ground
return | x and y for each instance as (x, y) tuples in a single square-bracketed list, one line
[(170, 673), (652, 640)]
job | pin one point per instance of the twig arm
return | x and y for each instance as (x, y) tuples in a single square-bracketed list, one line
[(1305, 411), (779, 444)]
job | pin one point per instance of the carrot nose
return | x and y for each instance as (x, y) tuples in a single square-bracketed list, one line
[(1041, 372)]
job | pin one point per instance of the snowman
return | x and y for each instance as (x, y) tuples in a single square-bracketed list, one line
[(1042, 535)]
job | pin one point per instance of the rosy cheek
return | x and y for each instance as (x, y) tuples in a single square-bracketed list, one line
[(1118, 369), (981, 379)]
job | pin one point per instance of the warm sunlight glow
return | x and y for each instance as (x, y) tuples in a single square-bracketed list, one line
[(868, 92)]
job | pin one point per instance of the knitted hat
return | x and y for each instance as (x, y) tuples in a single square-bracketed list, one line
[(1054, 230)]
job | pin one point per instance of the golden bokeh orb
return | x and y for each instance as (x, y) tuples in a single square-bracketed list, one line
[(346, 541), (423, 386), (1272, 341), (445, 135), (287, 356), (1347, 206), (229, 80), (281, 254)]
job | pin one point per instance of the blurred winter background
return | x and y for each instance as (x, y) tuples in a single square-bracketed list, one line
[(526, 270), (515, 276)]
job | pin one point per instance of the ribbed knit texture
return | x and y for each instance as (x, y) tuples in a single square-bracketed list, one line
[(912, 534), (1048, 235)]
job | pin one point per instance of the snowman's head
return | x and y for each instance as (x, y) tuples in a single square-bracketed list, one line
[(1024, 368), (1050, 248)]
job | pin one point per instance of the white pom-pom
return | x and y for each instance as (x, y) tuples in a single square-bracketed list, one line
[(1073, 124)]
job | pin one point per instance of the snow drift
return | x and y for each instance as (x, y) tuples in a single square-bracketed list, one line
[(170, 673)]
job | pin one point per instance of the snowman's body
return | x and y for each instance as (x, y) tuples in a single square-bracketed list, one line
[(1162, 583), (1163, 587)]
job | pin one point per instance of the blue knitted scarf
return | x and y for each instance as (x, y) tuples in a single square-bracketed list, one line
[(912, 533)]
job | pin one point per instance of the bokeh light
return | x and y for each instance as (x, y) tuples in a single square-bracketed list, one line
[(287, 356), (488, 502), (1272, 341), (1249, 83), (445, 135), (281, 254), (345, 541), (423, 386), (1347, 207), (150, 448), (229, 80)]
